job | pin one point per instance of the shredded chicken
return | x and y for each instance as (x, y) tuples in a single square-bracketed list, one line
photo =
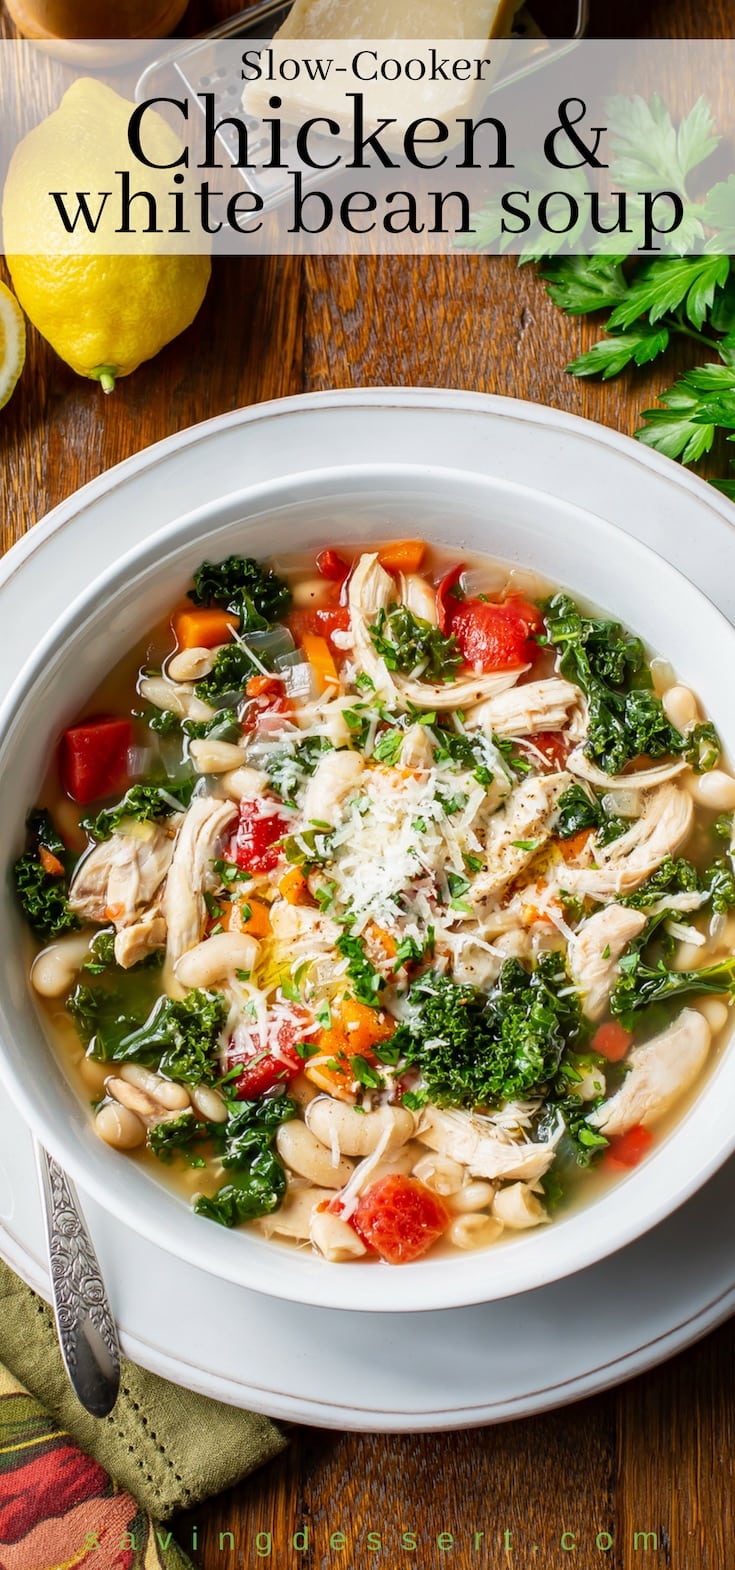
[(371, 590), (535, 706), (518, 831), (660, 1073), (480, 1146), (121, 881), (637, 779), (595, 950), (191, 874), (336, 774), (627, 861)]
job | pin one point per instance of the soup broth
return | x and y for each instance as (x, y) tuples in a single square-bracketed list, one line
[(382, 900)]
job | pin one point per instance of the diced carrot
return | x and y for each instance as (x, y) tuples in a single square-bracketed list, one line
[(612, 1041), (402, 555), (50, 863), (258, 923), (574, 845), (320, 658), (199, 627), (293, 887), (382, 946), (364, 1027), (627, 1150), (355, 1030)]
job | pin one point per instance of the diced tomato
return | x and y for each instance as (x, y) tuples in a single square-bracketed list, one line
[(254, 846), (496, 635), (627, 1150), (400, 1218), (324, 621), (446, 600), (93, 758), (266, 698), (332, 566), (612, 1041), (275, 1064), (553, 745)]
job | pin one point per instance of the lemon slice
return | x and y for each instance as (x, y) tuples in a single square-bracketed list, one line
[(12, 343)]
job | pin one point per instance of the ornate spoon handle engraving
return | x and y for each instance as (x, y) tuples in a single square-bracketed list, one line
[(86, 1328)]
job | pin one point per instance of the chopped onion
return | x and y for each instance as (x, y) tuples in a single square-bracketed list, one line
[(139, 761), (622, 804), (294, 566), (271, 644), (299, 681)]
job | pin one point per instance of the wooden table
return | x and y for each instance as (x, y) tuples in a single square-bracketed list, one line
[(656, 1454)]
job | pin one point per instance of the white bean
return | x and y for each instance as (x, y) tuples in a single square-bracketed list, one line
[(716, 1013), (179, 697), (334, 1238), (402, 1162), (93, 1074), (243, 782), (358, 1133), (440, 1174), (54, 969), (662, 674), (215, 757), (474, 1231), (191, 664), (133, 1097), (218, 956), (300, 1150), (209, 1104), (310, 592), (681, 708), (591, 1084), (302, 1091), (294, 1217), (476, 1195), (168, 1094), (120, 1127), (517, 1207), (715, 790)]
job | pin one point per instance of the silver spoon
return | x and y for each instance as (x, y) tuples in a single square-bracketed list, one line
[(84, 1322)]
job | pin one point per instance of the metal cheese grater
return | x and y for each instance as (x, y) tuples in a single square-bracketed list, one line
[(202, 67)]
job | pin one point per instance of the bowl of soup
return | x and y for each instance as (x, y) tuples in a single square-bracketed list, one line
[(370, 900)]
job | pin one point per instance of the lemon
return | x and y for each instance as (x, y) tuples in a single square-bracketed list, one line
[(104, 312), (12, 343)]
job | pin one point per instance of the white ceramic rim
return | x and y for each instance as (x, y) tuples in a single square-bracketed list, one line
[(400, 397)]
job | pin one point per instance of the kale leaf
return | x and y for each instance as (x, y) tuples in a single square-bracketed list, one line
[(407, 643), (257, 1190), (223, 726), (245, 588), (640, 985), (625, 718), (179, 1037), (480, 1050), (676, 875), (258, 1182), (367, 982), (177, 1136), (144, 803), (41, 882), (579, 811), (233, 666)]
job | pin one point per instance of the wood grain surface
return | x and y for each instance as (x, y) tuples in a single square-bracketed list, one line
[(657, 1455)]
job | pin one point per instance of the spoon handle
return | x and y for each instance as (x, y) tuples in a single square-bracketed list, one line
[(84, 1322)]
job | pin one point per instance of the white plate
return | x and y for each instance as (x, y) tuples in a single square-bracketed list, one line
[(486, 1363)]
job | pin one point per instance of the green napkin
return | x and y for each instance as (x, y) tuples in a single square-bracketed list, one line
[(169, 1448)]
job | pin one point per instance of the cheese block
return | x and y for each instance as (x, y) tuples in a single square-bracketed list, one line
[(428, 19), (430, 59)]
